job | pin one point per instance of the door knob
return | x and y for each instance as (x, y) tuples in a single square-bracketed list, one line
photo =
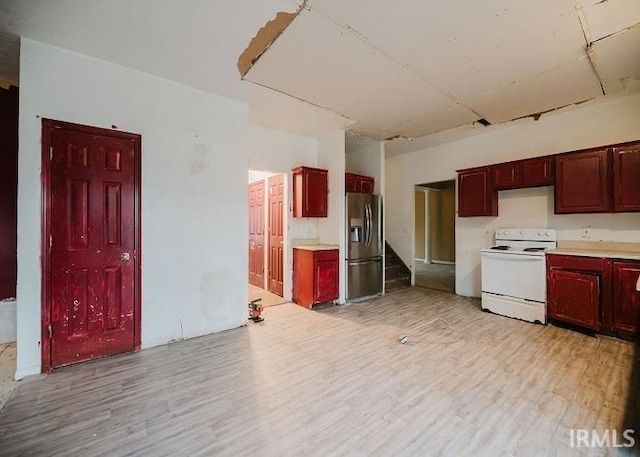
[(125, 256)]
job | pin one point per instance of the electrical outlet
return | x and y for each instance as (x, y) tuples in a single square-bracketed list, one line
[(586, 232)]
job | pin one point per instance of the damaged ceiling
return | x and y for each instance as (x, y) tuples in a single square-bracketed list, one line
[(381, 69), (413, 68)]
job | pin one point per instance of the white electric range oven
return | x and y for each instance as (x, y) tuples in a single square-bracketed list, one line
[(514, 280)]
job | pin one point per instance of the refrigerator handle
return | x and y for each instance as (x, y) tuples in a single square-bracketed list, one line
[(369, 223)]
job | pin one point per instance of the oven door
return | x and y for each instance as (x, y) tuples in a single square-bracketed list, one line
[(514, 275)]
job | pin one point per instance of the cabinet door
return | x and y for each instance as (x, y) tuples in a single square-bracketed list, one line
[(505, 176), (351, 183), (574, 297), (476, 196), (626, 178), (326, 281), (582, 182), (536, 172), (366, 185), (626, 300), (310, 189), (316, 188)]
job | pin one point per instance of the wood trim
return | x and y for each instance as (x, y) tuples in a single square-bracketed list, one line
[(48, 125)]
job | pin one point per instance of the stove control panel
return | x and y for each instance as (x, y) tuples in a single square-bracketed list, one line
[(526, 234)]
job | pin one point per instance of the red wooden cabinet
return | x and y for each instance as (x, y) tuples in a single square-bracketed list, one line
[(582, 182), (476, 195), (536, 172), (626, 300), (579, 290), (358, 183), (626, 177), (310, 192), (505, 176), (315, 276), (574, 297), (523, 173)]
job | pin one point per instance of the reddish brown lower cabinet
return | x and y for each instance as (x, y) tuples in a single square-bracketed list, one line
[(593, 292), (626, 300), (315, 276), (476, 196), (574, 297)]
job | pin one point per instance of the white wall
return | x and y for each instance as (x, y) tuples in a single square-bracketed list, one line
[(276, 151), (593, 124), (331, 156), (255, 176), (365, 160), (194, 191), (7, 321)]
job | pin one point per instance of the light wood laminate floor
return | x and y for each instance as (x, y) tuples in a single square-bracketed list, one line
[(336, 382)]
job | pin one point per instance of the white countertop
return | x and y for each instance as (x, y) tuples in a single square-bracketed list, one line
[(596, 253), (321, 247)]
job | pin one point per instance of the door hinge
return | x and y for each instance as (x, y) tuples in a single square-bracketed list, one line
[(50, 331)]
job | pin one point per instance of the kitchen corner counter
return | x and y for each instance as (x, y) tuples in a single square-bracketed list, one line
[(325, 247), (604, 254)]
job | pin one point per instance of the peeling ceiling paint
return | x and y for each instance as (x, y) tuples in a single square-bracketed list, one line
[(416, 69)]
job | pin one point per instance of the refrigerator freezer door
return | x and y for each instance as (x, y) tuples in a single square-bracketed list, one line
[(364, 226), (364, 278)]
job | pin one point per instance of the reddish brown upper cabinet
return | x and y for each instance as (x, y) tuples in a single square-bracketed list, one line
[(523, 173), (536, 172), (582, 182), (476, 195), (310, 192), (315, 276), (626, 300), (505, 176), (626, 177), (358, 183)]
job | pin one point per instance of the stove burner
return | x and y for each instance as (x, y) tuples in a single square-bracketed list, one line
[(533, 249), (501, 248)]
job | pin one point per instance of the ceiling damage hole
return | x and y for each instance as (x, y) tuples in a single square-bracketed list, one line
[(484, 122)]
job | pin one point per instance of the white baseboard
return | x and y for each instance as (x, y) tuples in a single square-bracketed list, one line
[(443, 262)]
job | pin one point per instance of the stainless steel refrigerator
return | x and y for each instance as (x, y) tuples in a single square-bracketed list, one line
[(364, 245)]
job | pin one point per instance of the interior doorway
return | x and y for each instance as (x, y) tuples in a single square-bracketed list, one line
[(434, 236), (266, 237)]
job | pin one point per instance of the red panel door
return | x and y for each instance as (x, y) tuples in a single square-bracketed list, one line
[(256, 234), (276, 234), (92, 244)]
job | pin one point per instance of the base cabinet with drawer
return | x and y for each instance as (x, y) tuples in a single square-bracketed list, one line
[(597, 293), (315, 276)]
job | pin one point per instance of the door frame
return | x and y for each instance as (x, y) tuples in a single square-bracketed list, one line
[(267, 231), (48, 125)]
